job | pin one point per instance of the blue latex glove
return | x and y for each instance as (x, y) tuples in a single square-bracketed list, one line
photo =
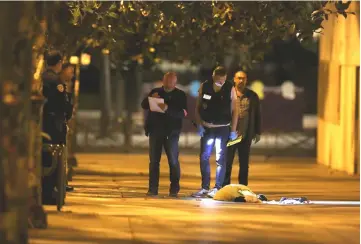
[(201, 130), (233, 135)]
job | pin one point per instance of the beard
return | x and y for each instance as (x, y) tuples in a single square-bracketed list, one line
[(241, 86)]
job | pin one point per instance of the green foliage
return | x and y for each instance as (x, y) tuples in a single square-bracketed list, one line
[(66, 30), (198, 30)]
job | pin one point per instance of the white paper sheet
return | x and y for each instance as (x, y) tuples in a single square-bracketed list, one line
[(154, 104)]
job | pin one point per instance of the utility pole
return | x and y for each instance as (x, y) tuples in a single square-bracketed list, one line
[(36, 217)]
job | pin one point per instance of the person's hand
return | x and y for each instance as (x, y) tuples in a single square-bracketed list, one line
[(201, 130), (68, 87), (233, 135), (163, 106), (185, 113), (257, 138)]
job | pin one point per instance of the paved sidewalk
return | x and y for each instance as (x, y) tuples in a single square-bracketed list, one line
[(109, 206)]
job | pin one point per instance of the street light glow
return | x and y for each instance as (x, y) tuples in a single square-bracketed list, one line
[(74, 60), (85, 59)]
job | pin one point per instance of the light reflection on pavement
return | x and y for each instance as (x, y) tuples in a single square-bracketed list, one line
[(109, 206)]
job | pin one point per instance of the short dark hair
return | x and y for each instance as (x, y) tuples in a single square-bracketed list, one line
[(53, 58), (241, 70), (220, 71), (67, 65)]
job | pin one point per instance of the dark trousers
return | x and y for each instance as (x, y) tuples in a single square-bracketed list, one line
[(243, 149), (214, 137), (158, 140)]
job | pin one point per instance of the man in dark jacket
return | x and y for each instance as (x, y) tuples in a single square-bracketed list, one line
[(248, 126), (163, 130), (57, 111)]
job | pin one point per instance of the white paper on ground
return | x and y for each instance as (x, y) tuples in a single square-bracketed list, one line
[(355, 203), (154, 104)]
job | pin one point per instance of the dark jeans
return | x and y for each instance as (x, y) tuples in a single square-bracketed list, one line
[(243, 156), (214, 137), (158, 140)]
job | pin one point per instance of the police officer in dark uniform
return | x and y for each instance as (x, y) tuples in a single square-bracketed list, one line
[(57, 110), (216, 117), (163, 130)]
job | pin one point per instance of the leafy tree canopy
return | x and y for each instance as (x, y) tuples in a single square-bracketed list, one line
[(195, 31)]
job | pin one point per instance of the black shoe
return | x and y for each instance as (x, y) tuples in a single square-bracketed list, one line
[(262, 197), (69, 188), (173, 194), (152, 194)]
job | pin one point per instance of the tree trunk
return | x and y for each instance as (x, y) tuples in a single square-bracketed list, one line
[(15, 113), (132, 81), (120, 115), (37, 216), (119, 98), (105, 89)]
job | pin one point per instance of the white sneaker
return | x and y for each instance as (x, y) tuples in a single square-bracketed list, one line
[(212, 192), (200, 193)]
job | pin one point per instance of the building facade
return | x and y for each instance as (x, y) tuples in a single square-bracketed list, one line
[(338, 92)]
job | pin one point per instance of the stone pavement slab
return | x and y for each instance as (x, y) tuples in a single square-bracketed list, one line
[(109, 206)]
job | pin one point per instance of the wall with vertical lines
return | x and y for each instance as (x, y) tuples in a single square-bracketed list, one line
[(339, 58)]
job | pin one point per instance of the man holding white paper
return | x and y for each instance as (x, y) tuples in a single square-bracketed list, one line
[(167, 107), (155, 104)]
